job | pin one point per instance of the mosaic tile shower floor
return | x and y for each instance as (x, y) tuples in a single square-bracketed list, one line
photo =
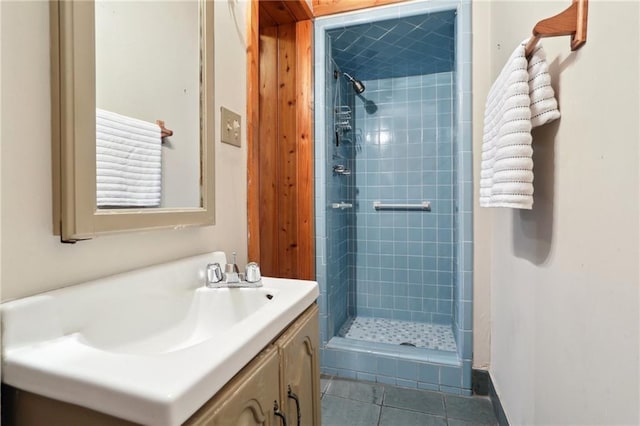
[(396, 332)]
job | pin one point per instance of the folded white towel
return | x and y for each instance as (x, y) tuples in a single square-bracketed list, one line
[(128, 161), (520, 99)]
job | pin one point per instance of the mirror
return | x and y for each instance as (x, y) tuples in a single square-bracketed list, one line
[(146, 73), (125, 75)]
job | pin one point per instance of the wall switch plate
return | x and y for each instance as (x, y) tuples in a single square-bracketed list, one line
[(230, 127)]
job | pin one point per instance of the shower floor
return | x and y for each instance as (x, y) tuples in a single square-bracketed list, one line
[(396, 332)]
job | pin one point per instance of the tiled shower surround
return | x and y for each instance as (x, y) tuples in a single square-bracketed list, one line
[(379, 270), (404, 259), (339, 222)]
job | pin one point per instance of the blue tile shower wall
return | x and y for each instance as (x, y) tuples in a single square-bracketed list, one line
[(463, 321), (404, 260), (339, 188), (447, 372)]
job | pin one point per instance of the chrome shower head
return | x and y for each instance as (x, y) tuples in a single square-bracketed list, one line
[(357, 84)]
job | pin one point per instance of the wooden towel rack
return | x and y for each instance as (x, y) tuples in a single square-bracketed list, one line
[(573, 22), (163, 130)]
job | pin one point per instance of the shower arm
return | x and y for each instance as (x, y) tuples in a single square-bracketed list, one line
[(358, 86), (351, 79)]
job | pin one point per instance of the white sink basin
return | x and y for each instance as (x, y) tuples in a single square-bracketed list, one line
[(184, 321), (150, 346)]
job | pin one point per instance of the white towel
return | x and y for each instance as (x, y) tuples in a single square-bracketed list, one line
[(520, 99), (128, 161)]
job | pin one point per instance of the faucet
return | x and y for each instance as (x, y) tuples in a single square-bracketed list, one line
[(231, 277), (339, 169), (231, 271)]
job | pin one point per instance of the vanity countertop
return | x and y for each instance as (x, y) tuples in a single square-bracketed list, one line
[(150, 346)]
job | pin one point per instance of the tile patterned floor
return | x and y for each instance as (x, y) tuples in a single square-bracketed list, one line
[(395, 332), (353, 403)]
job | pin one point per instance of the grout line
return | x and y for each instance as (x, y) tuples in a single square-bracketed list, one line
[(384, 394), (446, 409)]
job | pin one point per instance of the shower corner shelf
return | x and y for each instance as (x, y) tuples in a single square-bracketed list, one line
[(342, 117)]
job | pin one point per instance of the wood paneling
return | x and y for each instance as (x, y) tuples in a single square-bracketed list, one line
[(304, 113), (268, 211), (279, 12), (300, 10), (265, 18), (329, 7), (280, 175), (253, 129), (287, 196)]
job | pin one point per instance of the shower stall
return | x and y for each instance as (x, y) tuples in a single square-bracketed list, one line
[(394, 194)]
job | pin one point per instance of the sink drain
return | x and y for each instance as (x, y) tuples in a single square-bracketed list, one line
[(407, 344)]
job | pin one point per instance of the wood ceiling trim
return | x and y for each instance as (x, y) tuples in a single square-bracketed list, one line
[(278, 12), (266, 20), (282, 12), (330, 7), (299, 9)]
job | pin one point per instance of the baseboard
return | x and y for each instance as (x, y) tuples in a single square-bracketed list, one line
[(480, 382), (483, 385)]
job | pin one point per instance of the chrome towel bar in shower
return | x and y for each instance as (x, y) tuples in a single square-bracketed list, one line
[(423, 206)]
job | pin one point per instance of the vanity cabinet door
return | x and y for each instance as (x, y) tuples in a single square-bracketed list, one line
[(300, 370), (248, 399)]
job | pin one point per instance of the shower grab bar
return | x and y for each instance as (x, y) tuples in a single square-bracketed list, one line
[(341, 206), (423, 206)]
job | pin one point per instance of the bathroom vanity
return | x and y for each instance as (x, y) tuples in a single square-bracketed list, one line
[(157, 347), (284, 378)]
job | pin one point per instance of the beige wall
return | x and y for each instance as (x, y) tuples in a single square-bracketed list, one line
[(37, 261), (564, 276), (481, 19)]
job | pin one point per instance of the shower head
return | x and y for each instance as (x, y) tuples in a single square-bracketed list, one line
[(357, 84)]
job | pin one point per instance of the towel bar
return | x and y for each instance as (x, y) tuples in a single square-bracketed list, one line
[(572, 21), (163, 130), (423, 206)]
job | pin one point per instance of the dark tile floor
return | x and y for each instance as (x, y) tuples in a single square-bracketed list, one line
[(353, 403)]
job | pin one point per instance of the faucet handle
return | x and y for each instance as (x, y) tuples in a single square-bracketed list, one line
[(214, 273), (252, 272)]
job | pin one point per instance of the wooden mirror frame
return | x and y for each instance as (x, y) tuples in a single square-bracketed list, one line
[(75, 214)]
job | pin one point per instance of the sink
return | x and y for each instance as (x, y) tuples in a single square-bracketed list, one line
[(185, 321), (150, 346)]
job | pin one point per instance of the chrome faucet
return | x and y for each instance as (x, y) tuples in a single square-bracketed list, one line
[(231, 271), (231, 277), (339, 169)]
